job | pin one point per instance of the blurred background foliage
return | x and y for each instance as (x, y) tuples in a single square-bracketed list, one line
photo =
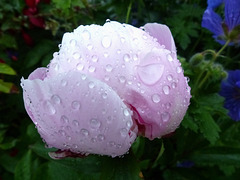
[(205, 146)]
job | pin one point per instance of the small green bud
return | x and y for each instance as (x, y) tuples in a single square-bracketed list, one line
[(196, 59)]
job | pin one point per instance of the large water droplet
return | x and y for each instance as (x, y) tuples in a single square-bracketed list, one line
[(126, 57), (165, 116), (76, 105), (90, 47), (104, 95), (106, 41), (108, 67), (91, 68), (76, 55), (84, 132), (174, 85), (108, 20), (48, 107), (169, 57), (122, 79), (169, 77), (64, 119), (56, 99), (179, 69), (129, 124), (156, 98), (94, 58), (150, 74), (166, 89), (95, 124), (86, 35), (75, 123)]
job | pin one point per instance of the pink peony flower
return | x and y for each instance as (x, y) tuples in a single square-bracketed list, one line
[(106, 85)]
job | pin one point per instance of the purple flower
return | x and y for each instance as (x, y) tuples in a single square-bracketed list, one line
[(227, 29), (230, 89)]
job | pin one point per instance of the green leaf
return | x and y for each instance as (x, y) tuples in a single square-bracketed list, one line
[(23, 168), (37, 53), (120, 168), (189, 123), (62, 4), (5, 86), (8, 145), (8, 162), (6, 69), (8, 41)]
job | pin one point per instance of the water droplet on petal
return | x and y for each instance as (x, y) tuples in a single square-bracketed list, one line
[(83, 76), (48, 107), (76, 55), (100, 137), (124, 132), (80, 66), (86, 35), (90, 47), (129, 124), (91, 68), (169, 57), (91, 85), (75, 123), (106, 78), (64, 119), (108, 20), (179, 69), (165, 116), (106, 41), (169, 77), (95, 124), (84, 132), (150, 74), (94, 58), (126, 112), (174, 85), (104, 95), (156, 98), (56, 99), (122, 79), (126, 57), (109, 68), (63, 82), (135, 57), (76, 105), (166, 89), (62, 132)]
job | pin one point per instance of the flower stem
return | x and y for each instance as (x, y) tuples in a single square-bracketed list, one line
[(128, 12)]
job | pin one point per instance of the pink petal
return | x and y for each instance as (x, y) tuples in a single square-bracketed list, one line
[(162, 33), (73, 111), (39, 73)]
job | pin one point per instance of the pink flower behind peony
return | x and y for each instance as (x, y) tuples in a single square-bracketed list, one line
[(106, 85)]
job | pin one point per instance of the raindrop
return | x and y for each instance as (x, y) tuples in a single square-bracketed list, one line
[(95, 124), (129, 124), (86, 35), (75, 123), (111, 143), (69, 138), (64, 119), (106, 78), (122, 79), (106, 41), (126, 57), (105, 54), (80, 66), (156, 98), (126, 112), (109, 68), (104, 95), (91, 68), (90, 47), (76, 105), (28, 101), (123, 132), (174, 85), (179, 69), (83, 76), (84, 132), (100, 137), (166, 89), (168, 105), (169, 77), (63, 82), (150, 74), (76, 55), (118, 51), (75, 146), (165, 116), (169, 57), (91, 85), (93, 140), (94, 58), (108, 20), (73, 42), (62, 132), (56, 99), (48, 107), (135, 57)]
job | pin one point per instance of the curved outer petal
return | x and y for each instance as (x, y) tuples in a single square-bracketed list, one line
[(213, 22), (232, 13), (145, 74), (162, 33), (79, 113)]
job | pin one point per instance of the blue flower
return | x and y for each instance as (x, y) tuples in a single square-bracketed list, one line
[(227, 29), (230, 89)]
